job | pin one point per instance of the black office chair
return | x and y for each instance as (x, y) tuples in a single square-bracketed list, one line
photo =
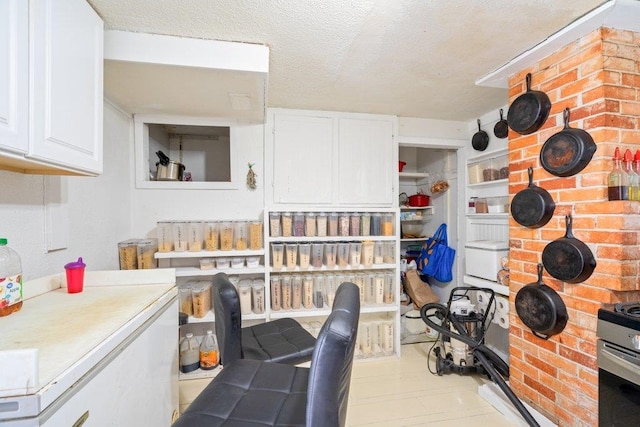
[(254, 393), (280, 340)]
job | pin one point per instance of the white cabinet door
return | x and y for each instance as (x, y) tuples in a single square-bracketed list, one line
[(14, 75), (303, 159), (365, 161), (67, 79)]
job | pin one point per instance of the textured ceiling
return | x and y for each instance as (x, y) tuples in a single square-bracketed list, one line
[(411, 58)]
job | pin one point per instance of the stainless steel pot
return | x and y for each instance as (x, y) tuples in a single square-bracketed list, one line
[(168, 170)]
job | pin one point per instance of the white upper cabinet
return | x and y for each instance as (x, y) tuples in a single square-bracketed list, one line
[(14, 75), (64, 98), (302, 159), (326, 158), (365, 161)]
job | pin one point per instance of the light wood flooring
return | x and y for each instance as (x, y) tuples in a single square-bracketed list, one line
[(402, 392)]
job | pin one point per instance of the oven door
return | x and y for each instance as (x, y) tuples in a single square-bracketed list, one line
[(619, 385)]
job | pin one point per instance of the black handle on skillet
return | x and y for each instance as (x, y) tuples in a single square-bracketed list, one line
[(568, 219)]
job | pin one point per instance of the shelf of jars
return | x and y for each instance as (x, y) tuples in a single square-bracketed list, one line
[(308, 253)]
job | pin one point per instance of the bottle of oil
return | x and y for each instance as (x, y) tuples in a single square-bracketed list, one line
[(618, 180), (189, 354), (633, 176), (10, 280)]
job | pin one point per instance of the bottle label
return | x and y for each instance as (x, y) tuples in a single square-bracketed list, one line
[(10, 290)]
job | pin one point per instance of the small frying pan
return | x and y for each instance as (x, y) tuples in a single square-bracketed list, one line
[(567, 152), (501, 129), (568, 259), (541, 308), (480, 139), (532, 207), (529, 111)]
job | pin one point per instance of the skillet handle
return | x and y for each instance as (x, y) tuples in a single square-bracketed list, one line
[(541, 336)]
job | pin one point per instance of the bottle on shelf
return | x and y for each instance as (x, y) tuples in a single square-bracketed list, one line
[(618, 180), (10, 280), (189, 354), (631, 173), (209, 352)]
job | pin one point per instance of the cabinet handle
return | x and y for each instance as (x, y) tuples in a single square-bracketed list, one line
[(80, 421)]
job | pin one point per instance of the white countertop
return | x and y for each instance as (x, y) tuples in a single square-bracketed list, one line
[(72, 332)]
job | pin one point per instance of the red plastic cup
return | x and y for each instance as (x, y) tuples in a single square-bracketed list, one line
[(75, 276)]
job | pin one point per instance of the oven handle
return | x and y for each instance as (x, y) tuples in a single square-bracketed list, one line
[(618, 362)]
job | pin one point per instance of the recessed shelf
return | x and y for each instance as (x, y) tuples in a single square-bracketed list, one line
[(208, 254)]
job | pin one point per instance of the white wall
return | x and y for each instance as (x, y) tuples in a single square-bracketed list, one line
[(152, 205), (98, 209)]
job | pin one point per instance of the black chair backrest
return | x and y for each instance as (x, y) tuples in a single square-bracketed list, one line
[(228, 318), (332, 360)]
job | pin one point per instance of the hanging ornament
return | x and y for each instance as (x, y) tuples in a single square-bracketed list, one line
[(251, 177)]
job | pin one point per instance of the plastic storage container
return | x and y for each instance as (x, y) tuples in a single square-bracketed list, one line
[(244, 291), (257, 294), (196, 235), (209, 356), (255, 235), (211, 236), (189, 354), (274, 224), (165, 236), (277, 255), (240, 235), (321, 224), (128, 254), (483, 258), (146, 250), (180, 236), (201, 296), (11, 279), (226, 236)]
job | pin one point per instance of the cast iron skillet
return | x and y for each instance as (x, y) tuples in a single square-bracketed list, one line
[(501, 129), (541, 308), (529, 111), (532, 207), (480, 139), (568, 259), (567, 152)]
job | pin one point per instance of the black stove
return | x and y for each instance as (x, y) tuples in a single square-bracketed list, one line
[(619, 364), (625, 314)]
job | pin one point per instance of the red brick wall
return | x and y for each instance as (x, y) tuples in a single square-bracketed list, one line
[(598, 78)]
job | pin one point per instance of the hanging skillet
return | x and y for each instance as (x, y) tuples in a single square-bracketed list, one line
[(532, 207), (529, 111), (480, 139), (501, 129), (568, 259), (567, 152), (541, 308)]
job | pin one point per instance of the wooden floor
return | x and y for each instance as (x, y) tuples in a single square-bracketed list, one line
[(402, 392)]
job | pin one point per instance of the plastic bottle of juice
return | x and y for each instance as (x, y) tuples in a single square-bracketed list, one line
[(209, 352), (10, 280)]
